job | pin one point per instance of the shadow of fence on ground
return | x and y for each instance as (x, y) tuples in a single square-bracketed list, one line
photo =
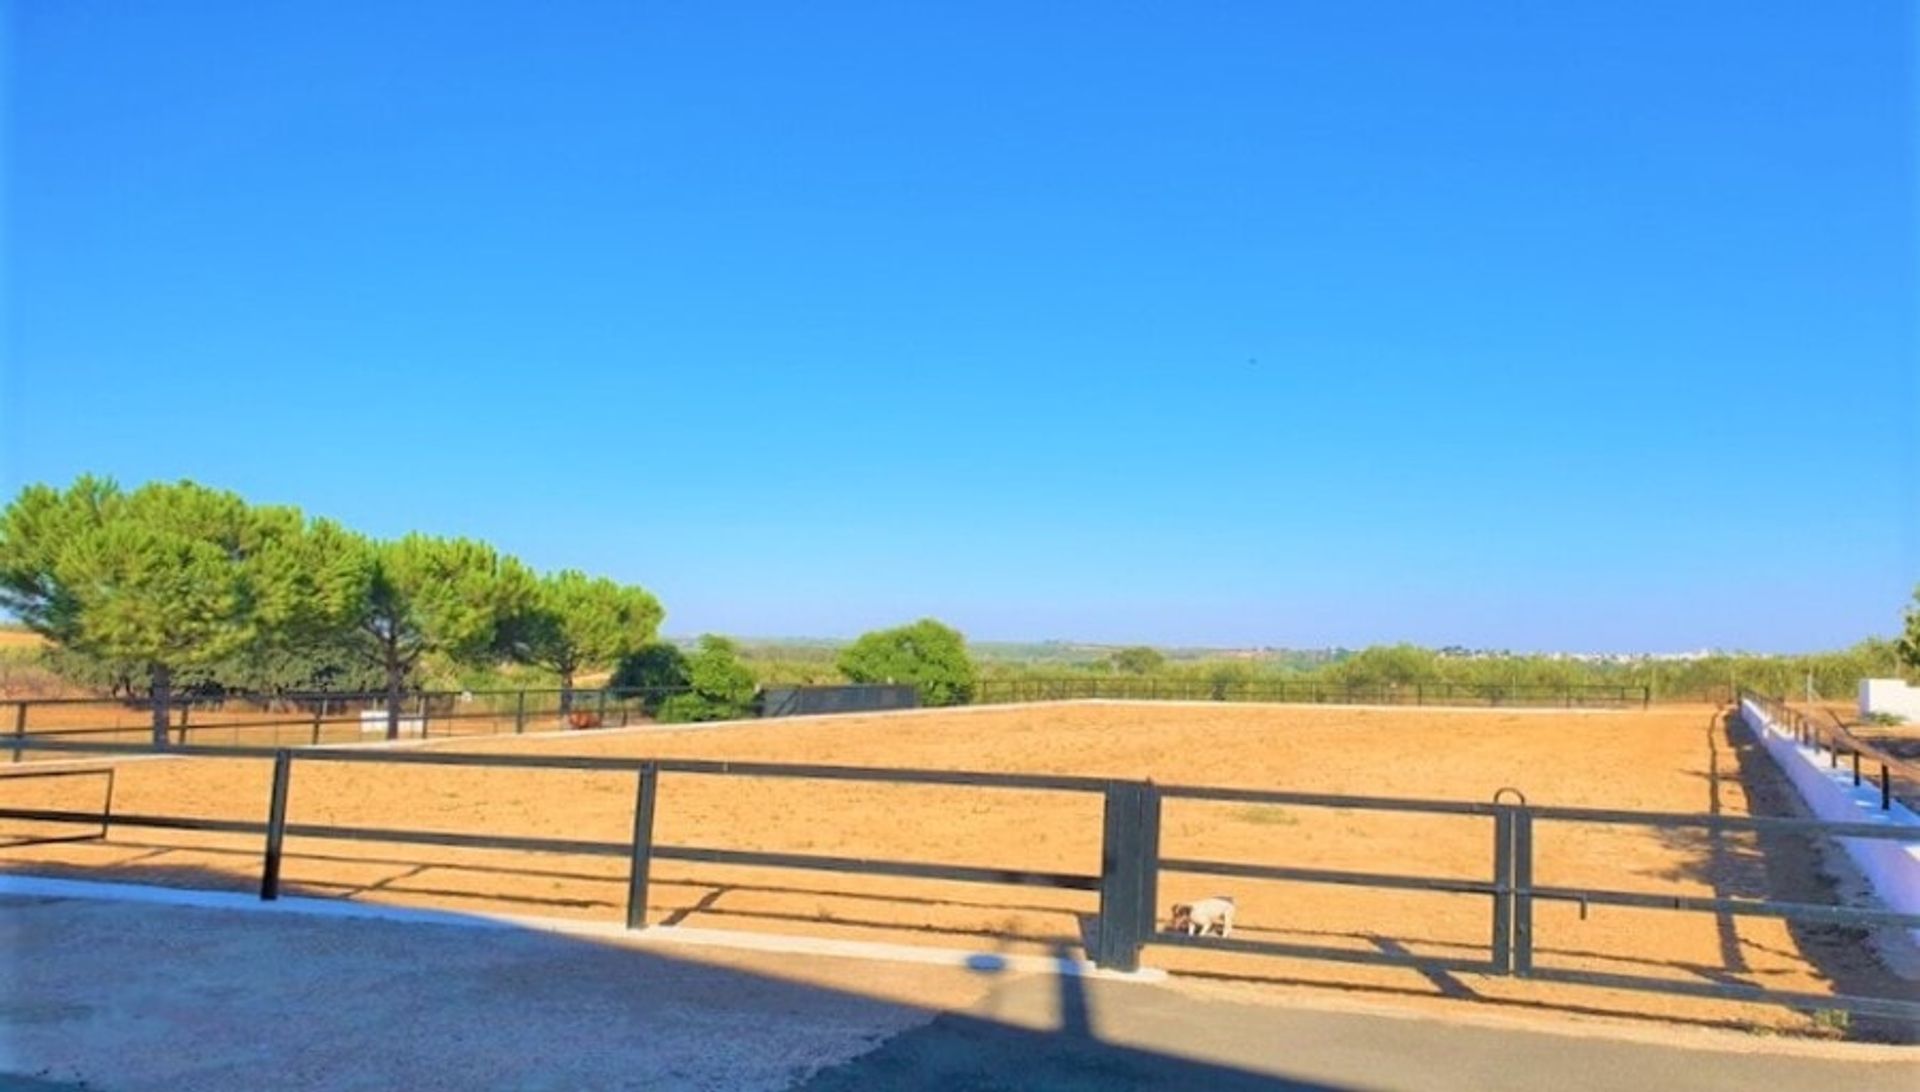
[(1780, 865)]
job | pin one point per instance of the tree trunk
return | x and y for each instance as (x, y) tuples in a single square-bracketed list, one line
[(396, 679), (161, 699)]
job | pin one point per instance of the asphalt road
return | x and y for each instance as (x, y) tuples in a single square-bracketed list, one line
[(128, 997)]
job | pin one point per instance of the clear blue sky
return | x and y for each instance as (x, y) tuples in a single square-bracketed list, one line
[(1533, 325)]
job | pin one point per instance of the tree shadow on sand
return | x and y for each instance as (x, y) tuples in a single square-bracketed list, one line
[(1784, 866)]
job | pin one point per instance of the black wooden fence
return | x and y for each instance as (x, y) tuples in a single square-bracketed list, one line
[(1132, 861), (310, 719), (1894, 777)]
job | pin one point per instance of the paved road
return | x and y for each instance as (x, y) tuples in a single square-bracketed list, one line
[(124, 997)]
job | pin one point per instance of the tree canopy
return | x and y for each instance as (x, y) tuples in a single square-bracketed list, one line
[(1908, 647), (576, 622), (169, 577), (657, 670), (926, 654), (451, 597), (176, 583), (720, 686), (1138, 660)]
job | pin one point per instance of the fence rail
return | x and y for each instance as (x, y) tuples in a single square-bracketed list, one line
[(1300, 691), (1895, 777), (310, 719), (314, 718), (1132, 857)]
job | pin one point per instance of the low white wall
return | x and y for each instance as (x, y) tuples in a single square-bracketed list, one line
[(374, 721), (1889, 696), (1891, 867)]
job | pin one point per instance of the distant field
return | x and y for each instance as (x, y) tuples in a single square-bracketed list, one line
[(1663, 759), (20, 638)]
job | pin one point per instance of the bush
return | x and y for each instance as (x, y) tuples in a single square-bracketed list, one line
[(926, 654), (656, 670), (721, 687), (1138, 660)]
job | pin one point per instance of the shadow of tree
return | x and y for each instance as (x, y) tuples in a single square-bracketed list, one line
[(1781, 866)]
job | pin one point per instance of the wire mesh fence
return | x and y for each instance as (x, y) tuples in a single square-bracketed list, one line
[(1306, 691), (295, 719)]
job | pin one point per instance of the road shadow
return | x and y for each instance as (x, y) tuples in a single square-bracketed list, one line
[(963, 1051), (295, 999)]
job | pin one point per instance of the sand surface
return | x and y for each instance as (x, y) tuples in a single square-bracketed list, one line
[(1666, 759)]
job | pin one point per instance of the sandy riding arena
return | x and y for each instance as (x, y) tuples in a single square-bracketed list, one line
[(1666, 759)]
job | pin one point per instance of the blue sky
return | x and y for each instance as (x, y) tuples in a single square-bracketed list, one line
[(1540, 326)]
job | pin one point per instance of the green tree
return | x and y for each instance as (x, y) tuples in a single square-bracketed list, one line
[(1138, 660), (656, 670), (926, 654), (1392, 665), (1227, 680), (170, 577), (417, 596), (721, 686), (1908, 647), (577, 623)]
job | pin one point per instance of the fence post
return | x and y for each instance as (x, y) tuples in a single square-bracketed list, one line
[(640, 862), (276, 825), (319, 711), (600, 711), (1856, 766), (1886, 789), (1129, 873), (1523, 892), (1503, 889), (423, 715), (19, 731), (520, 713)]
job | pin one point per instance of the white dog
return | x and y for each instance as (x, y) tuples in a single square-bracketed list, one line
[(1197, 919)]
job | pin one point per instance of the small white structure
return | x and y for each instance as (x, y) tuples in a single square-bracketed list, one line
[(374, 722), (1889, 696)]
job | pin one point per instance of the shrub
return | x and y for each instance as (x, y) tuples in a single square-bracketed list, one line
[(721, 687), (926, 654), (656, 670)]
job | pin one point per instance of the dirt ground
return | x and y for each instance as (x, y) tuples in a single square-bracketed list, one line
[(1684, 759)]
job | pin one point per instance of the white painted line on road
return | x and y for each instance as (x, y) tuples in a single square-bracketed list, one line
[(663, 935)]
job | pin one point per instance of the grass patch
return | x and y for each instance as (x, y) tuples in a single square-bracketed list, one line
[(1833, 1021), (1266, 815)]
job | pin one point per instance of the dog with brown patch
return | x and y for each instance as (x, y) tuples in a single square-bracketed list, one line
[(1197, 919)]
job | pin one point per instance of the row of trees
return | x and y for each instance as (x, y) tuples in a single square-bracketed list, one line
[(1835, 674), (174, 579), (714, 683)]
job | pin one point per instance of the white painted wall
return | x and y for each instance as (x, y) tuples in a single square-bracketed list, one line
[(375, 721), (1890, 696), (1892, 867)]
